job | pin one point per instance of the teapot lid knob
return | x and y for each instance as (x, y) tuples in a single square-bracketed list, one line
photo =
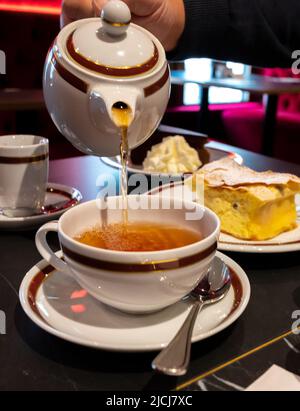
[(116, 17)]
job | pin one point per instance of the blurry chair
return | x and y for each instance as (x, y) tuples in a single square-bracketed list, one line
[(243, 126)]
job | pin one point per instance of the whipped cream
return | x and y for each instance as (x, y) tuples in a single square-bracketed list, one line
[(173, 155)]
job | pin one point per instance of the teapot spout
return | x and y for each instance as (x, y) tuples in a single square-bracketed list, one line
[(122, 108), (120, 103)]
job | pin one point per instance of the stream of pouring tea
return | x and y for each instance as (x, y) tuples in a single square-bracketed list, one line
[(122, 116)]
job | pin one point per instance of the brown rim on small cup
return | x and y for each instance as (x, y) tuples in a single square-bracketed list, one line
[(23, 160)]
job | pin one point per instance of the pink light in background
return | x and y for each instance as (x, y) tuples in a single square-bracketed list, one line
[(30, 6)]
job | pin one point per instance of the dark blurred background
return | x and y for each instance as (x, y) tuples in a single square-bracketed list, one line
[(27, 30)]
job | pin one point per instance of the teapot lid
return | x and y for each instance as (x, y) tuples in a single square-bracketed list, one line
[(111, 45)]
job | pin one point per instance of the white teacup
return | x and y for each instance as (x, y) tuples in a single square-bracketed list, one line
[(135, 282), (24, 163)]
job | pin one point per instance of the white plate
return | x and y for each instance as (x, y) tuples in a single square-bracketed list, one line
[(59, 198), (57, 304), (208, 151), (286, 242), (214, 152)]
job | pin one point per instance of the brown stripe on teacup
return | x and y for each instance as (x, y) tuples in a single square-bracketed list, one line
[(153, 88), (23, 160), (148, 266), (111, 71)]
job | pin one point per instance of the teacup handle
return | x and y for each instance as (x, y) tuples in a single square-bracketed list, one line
[(45, 250)]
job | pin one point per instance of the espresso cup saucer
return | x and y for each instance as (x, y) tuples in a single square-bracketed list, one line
[(58, 305), (59, 198)]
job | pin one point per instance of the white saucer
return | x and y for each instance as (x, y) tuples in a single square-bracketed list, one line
[(59, 198), (285, 242), (215, 154), (57, 304)]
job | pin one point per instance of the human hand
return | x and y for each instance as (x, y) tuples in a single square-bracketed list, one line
[(72, 10), (163, 18)]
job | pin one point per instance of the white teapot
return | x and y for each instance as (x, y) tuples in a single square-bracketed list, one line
[(98, 62)]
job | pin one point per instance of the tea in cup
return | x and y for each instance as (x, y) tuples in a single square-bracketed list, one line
[(139, 236), (24, 163), (141, 270)]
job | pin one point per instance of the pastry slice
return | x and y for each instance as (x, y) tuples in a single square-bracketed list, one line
[(251, 205)]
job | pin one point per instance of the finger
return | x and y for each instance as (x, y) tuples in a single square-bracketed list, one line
[(142, 21), (143, 8), (76, 9), (156, 29), (98, 6)]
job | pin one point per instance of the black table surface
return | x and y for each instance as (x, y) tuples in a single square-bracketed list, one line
[(31, 359)]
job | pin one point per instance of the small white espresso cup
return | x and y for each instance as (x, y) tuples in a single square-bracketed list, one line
[(24, 161), (134, 282)]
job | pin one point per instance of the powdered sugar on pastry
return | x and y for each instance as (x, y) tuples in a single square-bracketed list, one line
[(226, 172)]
